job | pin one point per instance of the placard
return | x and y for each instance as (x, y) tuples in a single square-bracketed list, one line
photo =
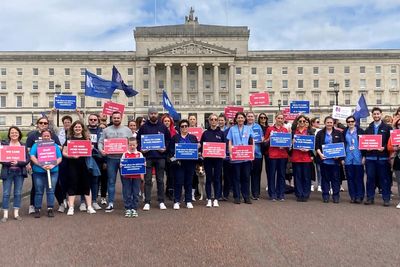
[(196, 131), (242, 153), (186, 151), (370, 141), (46, 152), (110, 107), (257, 135), (132, 166), (12, 153), (230, 111), (65, 101), (115, 145), (304, 142), (395, 137), (289, 116), (334, 150), (341, 113), (214, 150), (280, 139), (302, 106), (259, 99), (152, 142), (79, 148)]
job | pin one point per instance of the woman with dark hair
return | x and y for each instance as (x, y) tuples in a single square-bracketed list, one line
[(240, 134), (330, 168), (139, 122), (79, 176), (13, 172), (133, 126), (168, 121), (263, 121)]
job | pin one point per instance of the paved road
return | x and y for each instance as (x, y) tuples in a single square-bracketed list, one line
[(262, 234)]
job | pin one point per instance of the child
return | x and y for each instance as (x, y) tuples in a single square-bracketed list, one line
[(131, 183)]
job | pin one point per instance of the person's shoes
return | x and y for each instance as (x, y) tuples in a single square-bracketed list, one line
[(215, 203), (110, 208), (299, 199), (369, 202), (312, 188), (31, 209), (37, 213), (398, 206), (50, 213), (128, 214), (209, 203), (189, 205), (4, 219), (82, 207), (336, 201), (18, 218), (91, 210), (282, 200), (326, 200), (330, 192), (224, 199), (103, 201), (236, 201), (176, 206), (134, 213), (70, 211), (96, 206), (357, 201), (247, 201), (319, 189), (162, 206), (386, 203), (341, 189), (61, 208), (146, 206)]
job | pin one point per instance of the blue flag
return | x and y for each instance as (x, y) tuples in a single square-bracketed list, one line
[(116, 77), (361, 109), (98, 87), (169, 107)]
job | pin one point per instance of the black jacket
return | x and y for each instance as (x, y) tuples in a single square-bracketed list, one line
[(175, 140), (211, 135), (154, 128), (21, 164), (337, 137), (383, 130)]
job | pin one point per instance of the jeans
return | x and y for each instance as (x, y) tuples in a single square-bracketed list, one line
[(227, 175), (302, 179), (159, 165), (183, 177), (112, 170), (213, 168), (255, 177), (41, 182), (330, 178), (241, 179), (130, 192), (355, 181), (318, 173), (276, 187), (16, 177), (378, 170)]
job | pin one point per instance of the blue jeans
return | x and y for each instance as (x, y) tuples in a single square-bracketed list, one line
[(112, 170), (302, 179), (355, 181), (255, 175), (330, 178), (159, 165), (16, 177), (130, 192), (213, 168), (40, 181), (241, 179), (378, 170), (183, 177), (276, 187)]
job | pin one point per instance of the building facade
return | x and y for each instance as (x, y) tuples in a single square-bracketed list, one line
[(203, 68)]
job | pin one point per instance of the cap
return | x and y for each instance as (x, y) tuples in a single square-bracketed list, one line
[(152, 110)]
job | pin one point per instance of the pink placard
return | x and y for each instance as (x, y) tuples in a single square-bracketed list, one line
[(370, 141), (395, 137), (242, 153), (196, 131), (214, 150), (289, 116), (110, 107), (46, 154), (259, 99), (230, 111), (79, 148), (12, 153), (115, 145)]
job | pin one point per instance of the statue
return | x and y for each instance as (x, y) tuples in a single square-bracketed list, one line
[(191, 18)]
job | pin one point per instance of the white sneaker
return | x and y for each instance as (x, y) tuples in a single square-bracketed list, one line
[(176, 206), (319, 189), (330, 192), (398, 206), (189, 205), (82, 207), (70, 211), (215, 203), (162, 206), (341, 189), (209, 203), (96, 206), (146, 206), (312, 188), (91, 210), (61, 208), (103, 201), (31, 209)]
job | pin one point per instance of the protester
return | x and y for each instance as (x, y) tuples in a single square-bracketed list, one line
[(195, 183), (132, 126), (168, 121), (395, 159), (13, 172), (222, 122), (315, 128)]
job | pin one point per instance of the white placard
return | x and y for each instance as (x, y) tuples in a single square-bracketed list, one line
[(341, 113)]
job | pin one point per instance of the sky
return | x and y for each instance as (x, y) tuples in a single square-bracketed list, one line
[(107, 25)]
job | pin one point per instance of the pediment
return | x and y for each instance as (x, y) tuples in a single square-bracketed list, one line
[(192, 48)]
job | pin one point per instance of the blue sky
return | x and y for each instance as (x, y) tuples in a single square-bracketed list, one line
[(93, 25)]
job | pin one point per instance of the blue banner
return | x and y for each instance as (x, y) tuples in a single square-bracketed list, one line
[(169, 107), (280, 139), (65, 101), (186, 151), (152, 142), (133, 166), (257, 135), (98, 87), (300, 107), (335, 150), (304, 142)]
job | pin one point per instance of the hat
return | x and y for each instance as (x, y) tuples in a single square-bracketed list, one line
[(152, 110)]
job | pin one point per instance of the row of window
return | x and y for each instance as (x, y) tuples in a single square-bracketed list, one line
[(51, 71)]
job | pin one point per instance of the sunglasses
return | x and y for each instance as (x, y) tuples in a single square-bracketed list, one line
[(302, 121), (92, 119), (317, 121), (43, 122), (350, 121), (263, 118), (213, 119), (184, 126)]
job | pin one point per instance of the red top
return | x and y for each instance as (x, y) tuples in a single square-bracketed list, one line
[(298, 155), (276, 152), (132, 155)]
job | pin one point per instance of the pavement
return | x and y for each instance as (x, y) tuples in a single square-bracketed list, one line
[(265, 233)]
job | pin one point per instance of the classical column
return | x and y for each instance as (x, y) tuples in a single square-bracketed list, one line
[(216, 83), (231, 85), (153, 96), (200, 82), (168, 80), (184, 84)]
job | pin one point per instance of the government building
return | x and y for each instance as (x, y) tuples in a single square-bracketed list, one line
[(203, 68)]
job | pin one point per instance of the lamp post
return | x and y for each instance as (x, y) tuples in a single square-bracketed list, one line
[(58, 91), (336, 90), (279, 104), (32, 122)]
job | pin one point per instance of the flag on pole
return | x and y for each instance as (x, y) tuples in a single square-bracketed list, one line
[(169, 107), (361, 109), (116, 77), (98, 87)]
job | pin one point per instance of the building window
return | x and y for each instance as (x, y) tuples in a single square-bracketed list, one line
[(130, 103), (393, 69), (394, 96), (177, 84), (362, 69), (83, 85), (3, 71), (347, 83), (331, 82), (393, 83), (19, 85), (98, 71), (192, 84), (145, 71), (299, 70), (145, 100), (316, 83), (238, 84), (269, 84), (378, 98), (316, 100), (238, 70), (207, 99), (98, 103), (51, 101), (269, 70), (332, 99), (177, 99), (239, 100), (67, 85), (18, 120), (3, 85), (254, 84), (315, 70), (82, 101), (271, 99), (35, 101), (67, 71), (19, 71), (176, 71), (378, 83), (207, 84), (51, 71), (223, 99), (35, 71), (207, 71), (346, 69), (222, 84), (300, 84), (192, 99), (3, 101), (161, 84), (300, 96), (285, 99), (347, 99), (284, 70), (146, 84), (378, 69), (19, 101), (35, 85), (130, 71), (331, 70), (51, 85), (285, 84), (253, 71), (223, 71), (192, 71), (2, 120), (83, 71), (363, 83)]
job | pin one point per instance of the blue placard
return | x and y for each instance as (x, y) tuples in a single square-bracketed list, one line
[(280, 139), (186, 151), (152, 142), (304, 142), (257, 135), (300, 107), (133, 166), (65, 101), (335, 150)]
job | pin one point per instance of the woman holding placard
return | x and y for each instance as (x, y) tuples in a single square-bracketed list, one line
[(45, 156), (79, 177), (168, 121), (329, 166), (13, 171)]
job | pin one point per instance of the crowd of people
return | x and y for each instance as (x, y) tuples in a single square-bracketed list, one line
[(89, 177)]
